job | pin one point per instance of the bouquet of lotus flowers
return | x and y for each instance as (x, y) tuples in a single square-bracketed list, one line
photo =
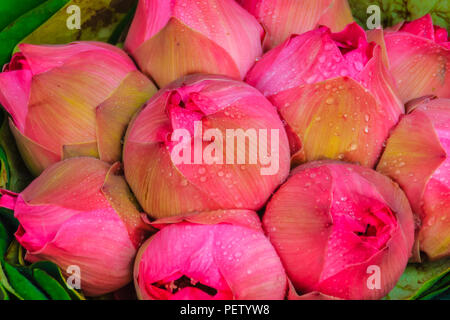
[(224, 150)]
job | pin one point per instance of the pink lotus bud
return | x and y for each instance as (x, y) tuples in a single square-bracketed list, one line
[(341, 229), (417, 157), (419, 57), (170, 39), (71, 100), (282, 18), (91, 222), (205, 142), (334, 93), (217, 255)]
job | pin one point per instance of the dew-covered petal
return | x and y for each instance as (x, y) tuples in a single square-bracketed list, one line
[(104, 254), (336, 119), (419, 65)]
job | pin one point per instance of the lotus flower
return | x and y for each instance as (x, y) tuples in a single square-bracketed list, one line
[(282, 18), (341, 229), (80, 212), (205, 142), (417, 157), (71, 100), (170, 39), (419, 57), (217, 255), (333, 91)]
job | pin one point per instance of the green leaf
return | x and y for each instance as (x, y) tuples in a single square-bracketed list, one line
[(439, 286), (4, 169), (14, 254), (395, 11), (435, 294), (3, 294), (9, 221), (119, 35), (5, 239), (14, 175), (55, 272), (99, 20), (10, 10), (52, 287), (4, 283), (419, 279), (443, 296), (21, 284), (24, 25)]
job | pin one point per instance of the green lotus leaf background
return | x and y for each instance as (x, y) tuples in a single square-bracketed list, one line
[(395, 11), (44, 22)]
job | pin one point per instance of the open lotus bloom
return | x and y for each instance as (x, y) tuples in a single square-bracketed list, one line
[(219, 255), (205, 142), (282, 18), (341, 229), (417, 157), (419, 57), (170, 39), (91, 224), (71, 100), (334, 93)]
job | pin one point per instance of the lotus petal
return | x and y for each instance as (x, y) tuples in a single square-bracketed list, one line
[(114, 114), (35, 156), (335, 119), (413, 152), (14, 95), (186, 51), (213, 262), (419, 65)]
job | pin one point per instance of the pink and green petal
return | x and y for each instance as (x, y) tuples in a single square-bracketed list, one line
[(422, 27), (419, 66), (377, 36), (43, 58), (82, 177), (244, 218), (254, 273), (434, 235), (165, 257), (337, 16), (151, 124), (85, 149), (378, 80), (295, 220), (151, 16), (144, 166), (283, 18), (179, 50), (227, 24), (114, 114), (336, 119), (15, 89), (235, 185), (32, 233), (212, 248), (308, 58), (73, 245), (35, 156), (63, 100), (413, 152), (119, 196)]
